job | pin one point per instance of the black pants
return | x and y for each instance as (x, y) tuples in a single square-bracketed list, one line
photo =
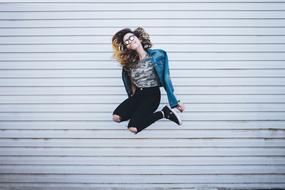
[(140, 108)]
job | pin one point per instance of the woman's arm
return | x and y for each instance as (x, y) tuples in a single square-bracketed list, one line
[(180, 106)]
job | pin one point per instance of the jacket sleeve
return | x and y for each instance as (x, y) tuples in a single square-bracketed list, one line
[(126, 81), (173, 102)]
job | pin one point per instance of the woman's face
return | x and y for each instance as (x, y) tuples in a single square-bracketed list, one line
[(131, 41)]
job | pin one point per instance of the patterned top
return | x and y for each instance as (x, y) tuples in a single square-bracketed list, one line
[(143, 73)]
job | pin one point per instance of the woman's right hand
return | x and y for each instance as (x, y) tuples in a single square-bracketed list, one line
[(180, 107)]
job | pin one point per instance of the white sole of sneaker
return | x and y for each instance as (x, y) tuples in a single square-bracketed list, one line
[(174, 112)]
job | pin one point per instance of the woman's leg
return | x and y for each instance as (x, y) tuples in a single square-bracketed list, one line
[(143, 115), (125, 109)]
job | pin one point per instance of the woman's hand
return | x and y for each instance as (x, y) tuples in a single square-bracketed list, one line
[(133, 89), (180, 107)]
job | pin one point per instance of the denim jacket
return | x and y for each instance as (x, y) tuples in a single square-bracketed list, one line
[(160, 62)]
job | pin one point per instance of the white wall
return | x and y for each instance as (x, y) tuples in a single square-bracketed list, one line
[(59, 86)]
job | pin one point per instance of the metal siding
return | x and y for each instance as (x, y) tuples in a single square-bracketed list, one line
[(59, 85)]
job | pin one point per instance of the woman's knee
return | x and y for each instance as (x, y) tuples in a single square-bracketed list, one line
[(116, 118), (133, 129)]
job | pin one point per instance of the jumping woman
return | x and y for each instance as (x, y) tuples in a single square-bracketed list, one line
[(144, 71)]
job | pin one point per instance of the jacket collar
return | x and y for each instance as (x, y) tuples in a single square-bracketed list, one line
[(155, 53)]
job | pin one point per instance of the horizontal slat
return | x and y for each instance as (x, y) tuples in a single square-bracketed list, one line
[(99, 116), (183, 170), (70, 160), (83, 90), (145, 22), (109, 134), (117, 73), (143, 14), (143, 152), (139, 6), (111, 64), (109, 107), (187, 116), (116, 99), (201, 56), (151, 143), (162, 124), (170, 47), (206, 179), (99, 90), (126, 2), (117, 81), (153, 31), (132, 184), (157, 40)]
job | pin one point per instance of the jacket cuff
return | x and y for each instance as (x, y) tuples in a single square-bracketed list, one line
[(175, 105)]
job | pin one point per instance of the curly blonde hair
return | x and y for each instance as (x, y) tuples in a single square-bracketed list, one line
[(127, 57)]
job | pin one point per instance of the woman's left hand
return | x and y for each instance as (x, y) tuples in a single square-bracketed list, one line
[(180, 107)]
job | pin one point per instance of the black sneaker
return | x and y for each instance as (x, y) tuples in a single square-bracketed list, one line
[(171, 115)]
